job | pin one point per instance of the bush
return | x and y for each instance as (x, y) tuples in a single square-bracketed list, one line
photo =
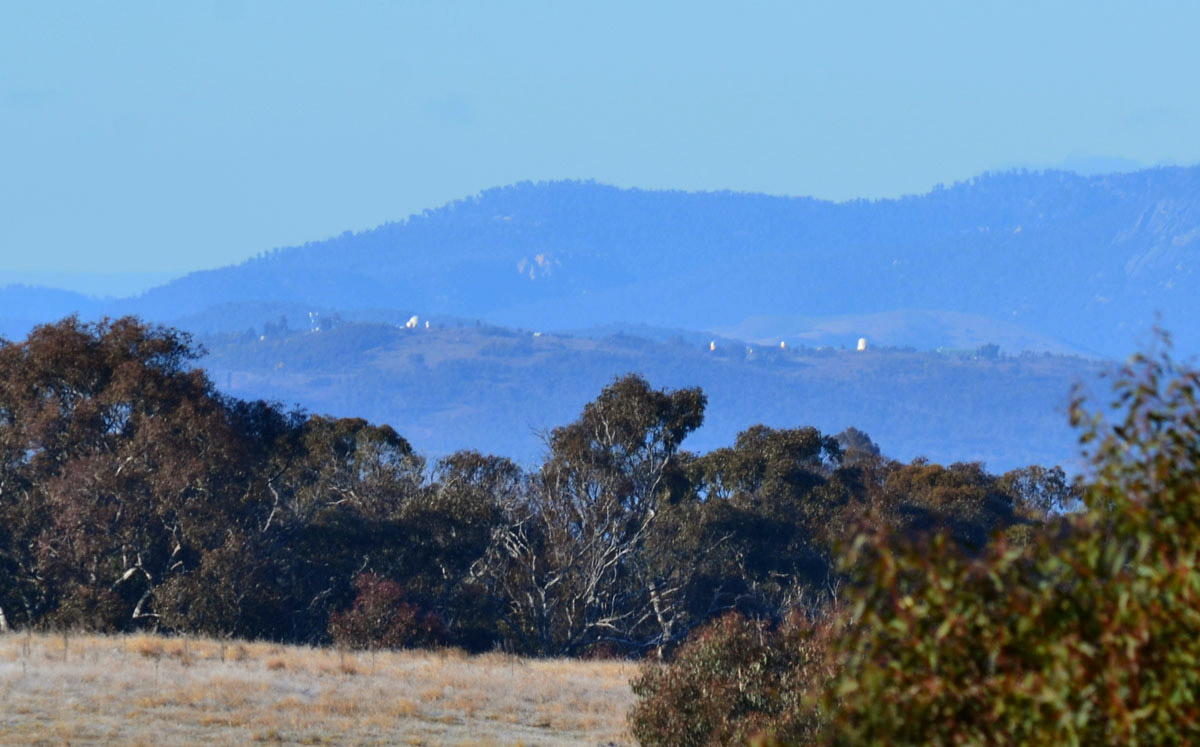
[(381, 617), (737, 679), (86, 608), (1087, 631), (1091, 634)]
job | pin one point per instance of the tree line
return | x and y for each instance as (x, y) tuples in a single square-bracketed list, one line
[(1083, 628), (134, 495)]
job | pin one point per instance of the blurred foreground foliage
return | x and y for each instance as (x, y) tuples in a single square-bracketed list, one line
[(1084, 629)]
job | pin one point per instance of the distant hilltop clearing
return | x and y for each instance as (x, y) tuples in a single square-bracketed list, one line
[(1048, 261)]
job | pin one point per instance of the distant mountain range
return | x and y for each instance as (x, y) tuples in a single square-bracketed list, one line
[(1041, 260), (536, 295)]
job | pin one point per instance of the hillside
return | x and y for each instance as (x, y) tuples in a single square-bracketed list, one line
[(460, 385), (1054, 263), (1086, 260), (1058, 260)]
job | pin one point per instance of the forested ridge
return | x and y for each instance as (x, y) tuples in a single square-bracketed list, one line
[(1054, 260), (1084, 261), (463, 385)]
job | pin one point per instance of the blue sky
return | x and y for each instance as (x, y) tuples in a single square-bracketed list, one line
[(158, 137)]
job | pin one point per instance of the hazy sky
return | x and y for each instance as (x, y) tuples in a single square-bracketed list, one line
[(164, 137)]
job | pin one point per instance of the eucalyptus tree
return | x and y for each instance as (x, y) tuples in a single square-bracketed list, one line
[(120, 469), (571, 561)]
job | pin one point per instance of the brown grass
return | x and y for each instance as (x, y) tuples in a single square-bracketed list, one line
[(143, 689)]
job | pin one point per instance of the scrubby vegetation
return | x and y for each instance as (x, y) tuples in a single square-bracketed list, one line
[(794, 586), (1082, 629), (134, 496)]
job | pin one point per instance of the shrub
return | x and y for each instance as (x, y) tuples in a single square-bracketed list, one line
[(1085, 631), (382, 617), (1090, 634), (86, 608), (735, 680)]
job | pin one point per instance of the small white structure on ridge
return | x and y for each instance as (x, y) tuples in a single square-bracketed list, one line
[(782, 345), (862, 344), (412, 323), (712, 345)]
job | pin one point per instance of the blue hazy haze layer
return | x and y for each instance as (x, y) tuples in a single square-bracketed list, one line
[(1056, 269), (1047, 261), (168, 137)]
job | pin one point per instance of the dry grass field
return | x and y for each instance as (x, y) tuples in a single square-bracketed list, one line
[(151, 690)]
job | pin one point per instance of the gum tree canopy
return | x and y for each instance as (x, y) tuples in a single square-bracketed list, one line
[(120, 469)]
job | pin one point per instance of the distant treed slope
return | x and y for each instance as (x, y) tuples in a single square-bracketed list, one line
[(23, 306), (1085, 260), (493, 389)]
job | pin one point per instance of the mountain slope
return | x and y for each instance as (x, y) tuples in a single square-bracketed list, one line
[(1082, 260), (22, 306), (455, 386)]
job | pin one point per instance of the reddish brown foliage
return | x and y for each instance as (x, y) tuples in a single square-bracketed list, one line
[(734, 681), (381, 617)]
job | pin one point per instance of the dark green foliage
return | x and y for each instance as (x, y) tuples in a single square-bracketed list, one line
[(1090, 634), (455, 526), (962, 499), (231, 590)]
